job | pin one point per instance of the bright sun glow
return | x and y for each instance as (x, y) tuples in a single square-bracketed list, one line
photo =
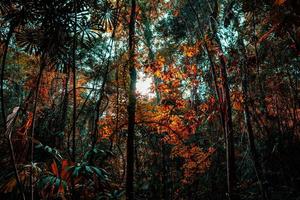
[(143, 85)]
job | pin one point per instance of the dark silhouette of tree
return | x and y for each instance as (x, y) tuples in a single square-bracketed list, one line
[(131, 106)]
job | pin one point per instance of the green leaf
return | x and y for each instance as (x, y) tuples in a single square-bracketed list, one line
[(88, 169)]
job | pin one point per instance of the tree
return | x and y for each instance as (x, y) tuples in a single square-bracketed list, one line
[(220, 119), (131, 105)]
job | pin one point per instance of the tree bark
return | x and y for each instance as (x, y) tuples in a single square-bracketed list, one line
[(9, 35), (232, 192), (131, 105), (74, 85), (212, 67), (229, 133), (10, 123), (38, 82), (225, 113), (247, 117), (102, 89), (65, 104)]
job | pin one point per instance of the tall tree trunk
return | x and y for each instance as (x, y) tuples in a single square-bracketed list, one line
[(225, 114), (38, 82), (12, 153), (164, 172), (229, 133), (227, 108), (253, 152), (10, 123), (65, 104), (131, 105), (102, 89), (212, 68), (73, 156), (9, 35), (247, 117), (260, 77), (74, 84)]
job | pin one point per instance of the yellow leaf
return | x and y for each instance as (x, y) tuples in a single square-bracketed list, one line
[(161, 61), (189, 53), (157, 74)]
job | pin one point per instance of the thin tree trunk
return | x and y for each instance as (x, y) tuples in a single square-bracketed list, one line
[(131, 105), (9, 35), (10, 122), (73, 156), (229, 134), (74, 86), (114, 136), (247, 116), (42, 65), (65, 104), (225, 114), (164, 171), (12, 154), (102, 89), (212, 67), (259, 79)]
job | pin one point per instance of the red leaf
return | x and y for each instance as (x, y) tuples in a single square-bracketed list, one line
[(266, 35), (54, 168), (65, 174)]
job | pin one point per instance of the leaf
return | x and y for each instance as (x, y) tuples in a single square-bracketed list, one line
[(97, 171), (9, 186), (160, 61), (76, 171), (266, 35), (54, 168), (204, 107), (237, 106), (65, 174), (100, 172), (279, 2), (52, 182), (10, 118), (88, 169), (40, 145)]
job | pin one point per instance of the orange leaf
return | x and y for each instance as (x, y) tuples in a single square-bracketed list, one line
[(176, 13), (237, 106), (279, 2)]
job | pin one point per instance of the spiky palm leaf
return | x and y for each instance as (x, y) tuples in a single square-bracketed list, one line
[(29, 40), (105, 15)]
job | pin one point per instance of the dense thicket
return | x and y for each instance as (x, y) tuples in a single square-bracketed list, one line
[(220, 121)]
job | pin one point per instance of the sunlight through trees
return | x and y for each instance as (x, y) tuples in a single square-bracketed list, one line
[(139, 99)]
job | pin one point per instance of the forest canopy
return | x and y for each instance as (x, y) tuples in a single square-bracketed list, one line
[(160, 99)]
